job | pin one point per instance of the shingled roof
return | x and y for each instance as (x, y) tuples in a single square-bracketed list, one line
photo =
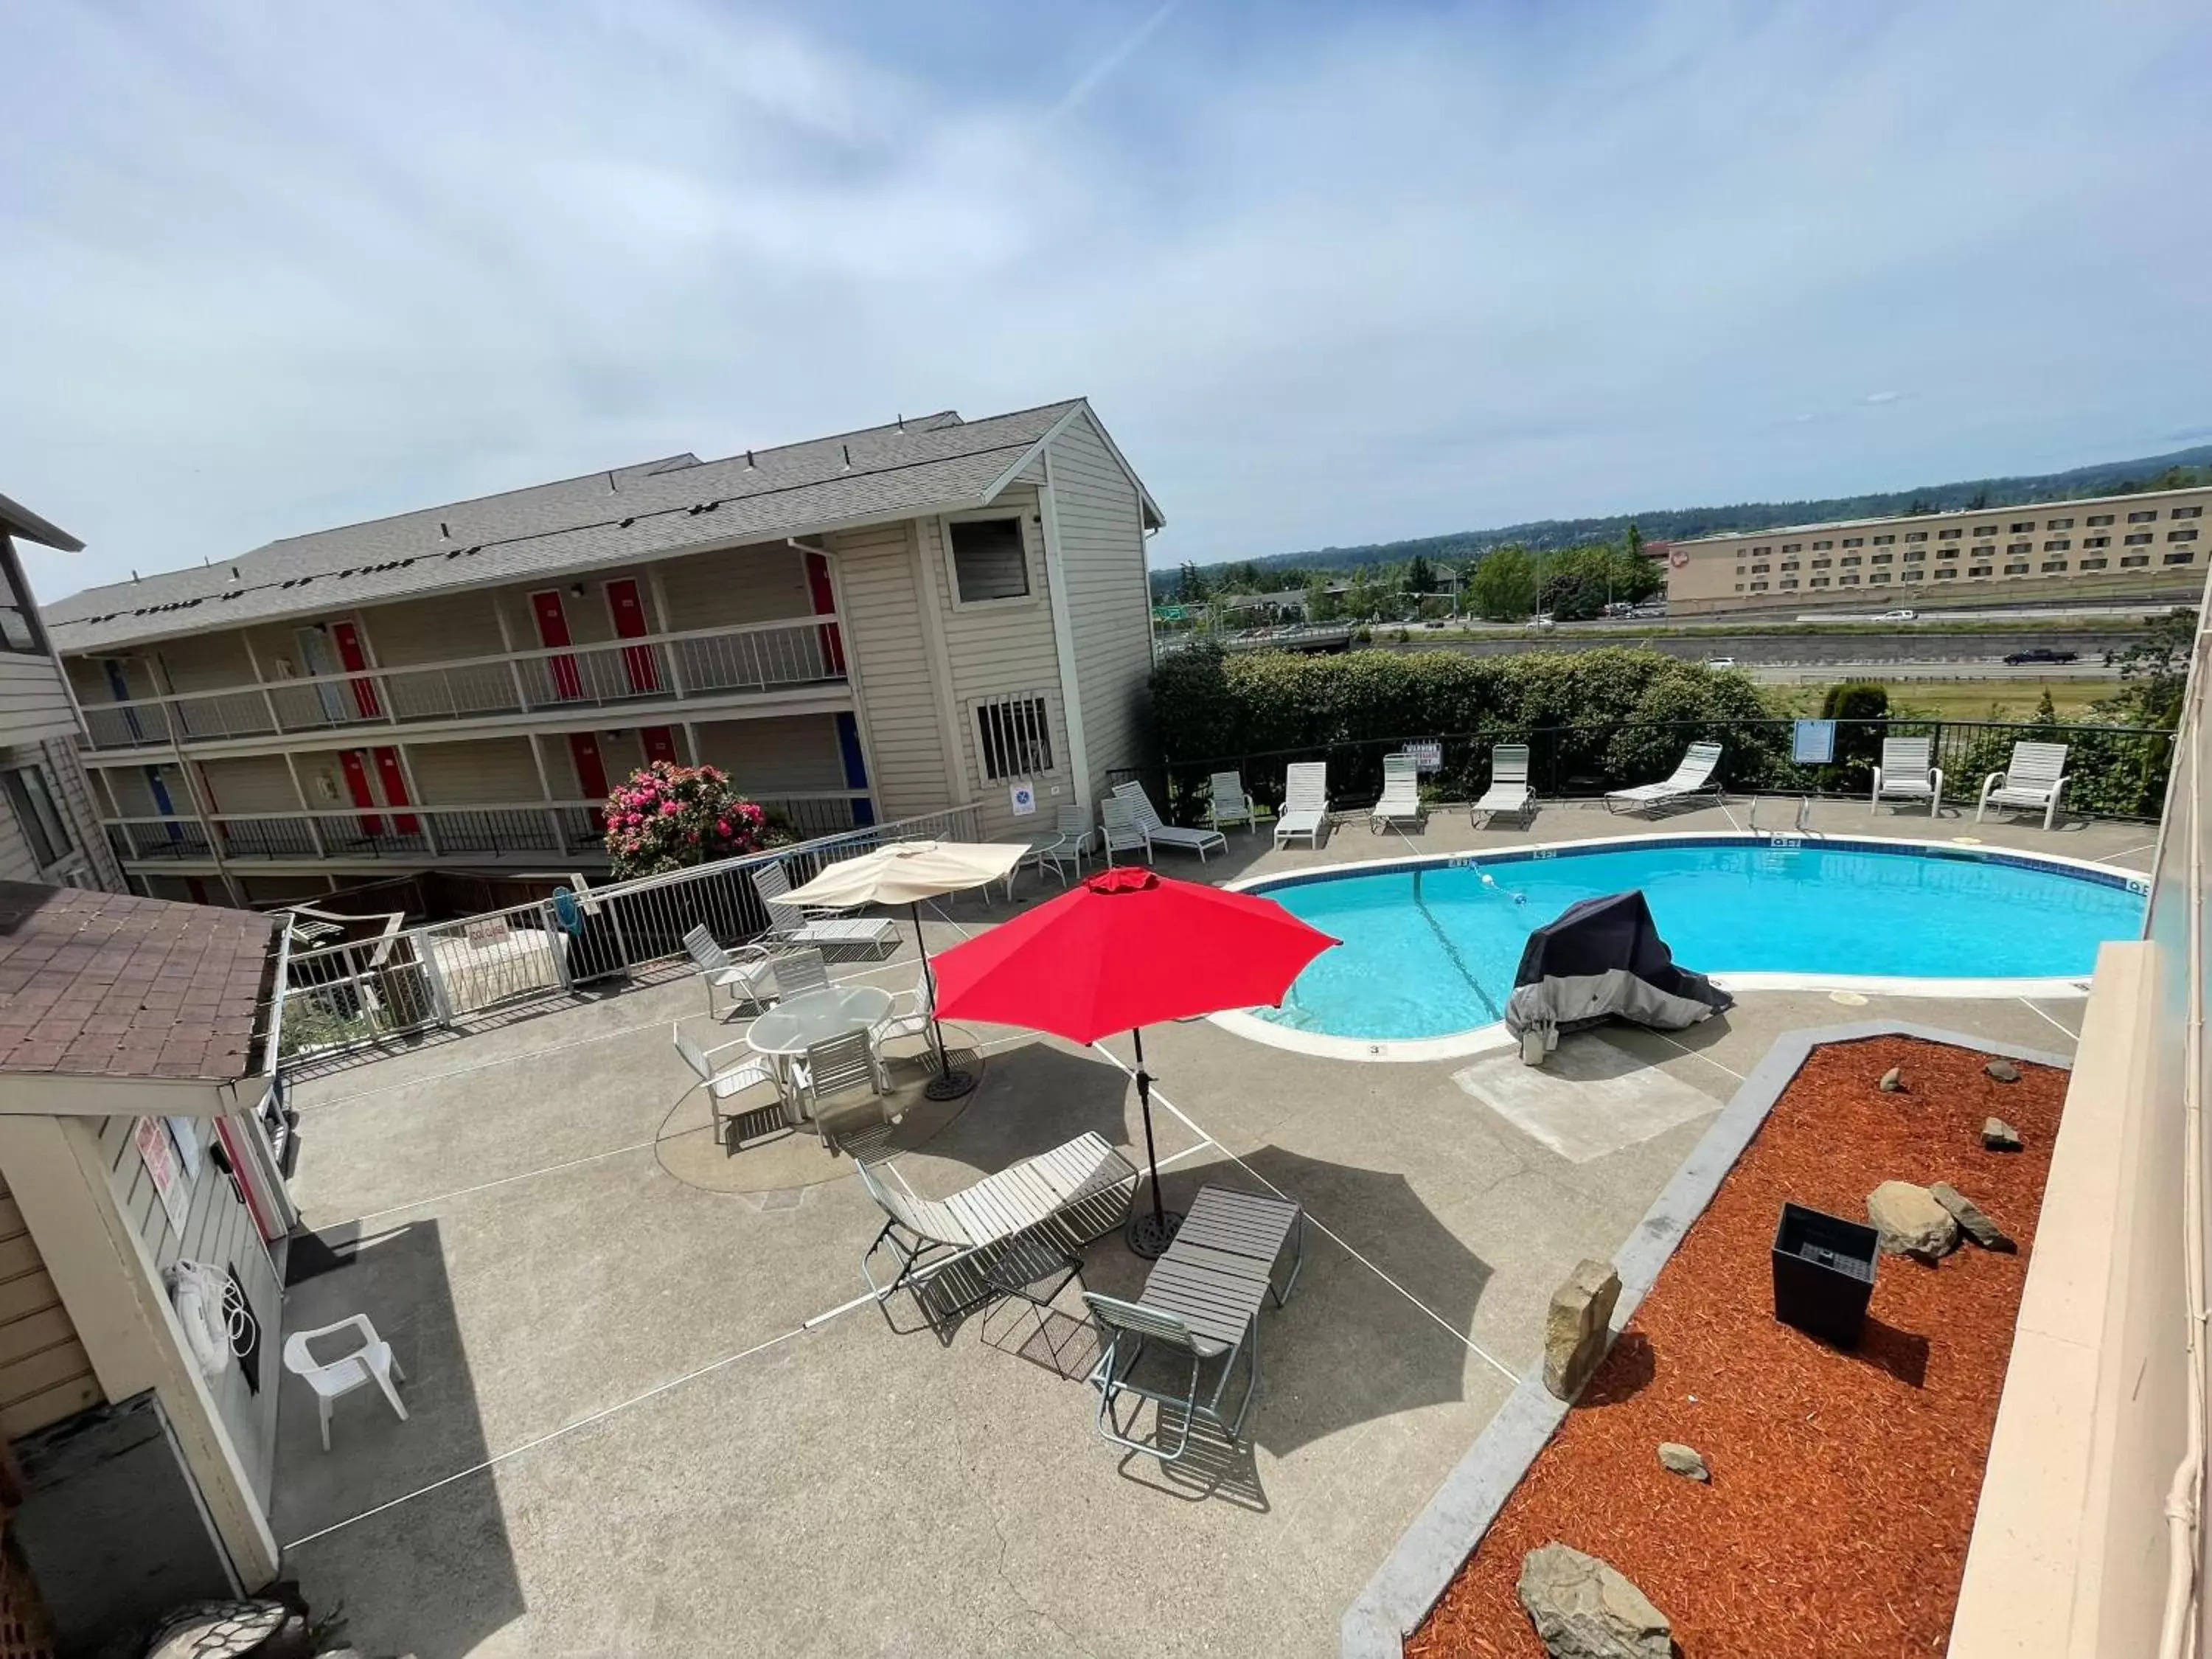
[(650, 509), (110, 985)]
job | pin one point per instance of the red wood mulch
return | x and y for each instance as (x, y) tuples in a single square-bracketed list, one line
[(1843, 1485)]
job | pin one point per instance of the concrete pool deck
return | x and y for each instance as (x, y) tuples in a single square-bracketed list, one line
[(652, 1411)]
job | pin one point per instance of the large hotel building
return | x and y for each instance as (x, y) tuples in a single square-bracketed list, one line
[(2150, 545)]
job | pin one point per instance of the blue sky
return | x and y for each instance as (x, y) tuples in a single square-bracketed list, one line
[(1330, 273)]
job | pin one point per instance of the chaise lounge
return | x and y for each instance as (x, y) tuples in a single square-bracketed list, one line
[(1693, 778)]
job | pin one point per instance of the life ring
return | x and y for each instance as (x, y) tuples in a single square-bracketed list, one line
[(1678, 557)]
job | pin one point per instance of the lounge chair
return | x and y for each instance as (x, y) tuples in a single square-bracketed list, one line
[(1227, 803), (1509, 790), (1906, 773), (1160, 834), (749, 974), (1693, 778), (1402, 793), (723, 1086), (1305, 803), (1117, 823), (1077, 1191), (2037, 777), (1201, 1301), (790, 924)]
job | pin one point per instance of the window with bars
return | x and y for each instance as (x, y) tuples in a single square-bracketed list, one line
[(1013, 735)]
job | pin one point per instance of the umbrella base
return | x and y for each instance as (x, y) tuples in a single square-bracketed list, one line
[(949, 1085), (1148, 1233)]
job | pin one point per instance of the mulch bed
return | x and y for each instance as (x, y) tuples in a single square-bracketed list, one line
[(1843, 1485)]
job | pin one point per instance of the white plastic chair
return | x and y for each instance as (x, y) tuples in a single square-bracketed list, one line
[(1227, 803), (2037, 777), (1509, 789), (1117, 820), (371, 1362), (750, 973), (1907, 772), (1401, 793), (1305, 803)]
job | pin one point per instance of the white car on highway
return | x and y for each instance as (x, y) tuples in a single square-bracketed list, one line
[(1720, 662), (1898, 616)]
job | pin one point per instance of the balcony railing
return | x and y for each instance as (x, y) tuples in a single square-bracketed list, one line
[(652, 668), (567, 829)]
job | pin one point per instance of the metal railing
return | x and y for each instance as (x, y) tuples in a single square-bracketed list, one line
[(451, 974), (569, 828), (657, 667), (2113, 771)]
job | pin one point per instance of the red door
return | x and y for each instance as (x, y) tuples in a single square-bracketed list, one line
[(552, 630), (356, 777), (395, 789), (659, 744), (591, 774), (825, 604), (629, 613), (347, 637)]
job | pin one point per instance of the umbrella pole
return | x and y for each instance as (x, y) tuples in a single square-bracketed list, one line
[(947, 1084), (1149, 1235)]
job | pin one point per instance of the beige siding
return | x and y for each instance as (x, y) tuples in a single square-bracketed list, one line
[(1102, 546), (218, 1230), (794, 756), (244, 784), (65, 765), (204, 662), (44, 1373), (1005, 648), (431, 630), (487, 772), (88, 861), (744, 585), (33, 703), (875, 570)]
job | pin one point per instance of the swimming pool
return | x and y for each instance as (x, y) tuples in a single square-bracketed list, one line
[(1430, 946)]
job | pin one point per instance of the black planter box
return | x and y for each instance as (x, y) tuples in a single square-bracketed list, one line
[(1823, 1274)]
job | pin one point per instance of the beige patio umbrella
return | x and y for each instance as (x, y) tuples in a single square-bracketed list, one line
[(906, 873)]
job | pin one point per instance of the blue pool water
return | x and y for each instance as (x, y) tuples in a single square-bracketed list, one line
[(1432, 950)]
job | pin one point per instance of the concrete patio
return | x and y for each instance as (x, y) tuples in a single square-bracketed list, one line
[(653, 1410)]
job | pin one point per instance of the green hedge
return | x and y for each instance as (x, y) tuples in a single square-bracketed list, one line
[(1207, 703)]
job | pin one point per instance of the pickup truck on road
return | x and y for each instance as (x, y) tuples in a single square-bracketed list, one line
[(2041, 653)]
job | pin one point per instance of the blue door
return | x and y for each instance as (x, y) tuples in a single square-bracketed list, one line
[(159, 791)]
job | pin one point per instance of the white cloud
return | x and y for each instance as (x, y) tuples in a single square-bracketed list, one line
[(1351, 276)]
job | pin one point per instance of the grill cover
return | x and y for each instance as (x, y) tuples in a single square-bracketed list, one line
[(1602, 958)]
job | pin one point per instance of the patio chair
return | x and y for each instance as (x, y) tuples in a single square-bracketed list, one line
[(1906, 773), (723, 1086), (1117, 821), (1073, 841), (798, 972), (1079, 1191), (2037, 777), (369, 1360), (839, 1067), (1160, 834), (913, 1020), (1693, 778), (1127, 1329), (1509, 790), (790, 924), (1305, 803), (1226, 802), (1402, 793), (749, 974)]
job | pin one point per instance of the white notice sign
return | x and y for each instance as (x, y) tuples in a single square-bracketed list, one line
[(1022, 796)]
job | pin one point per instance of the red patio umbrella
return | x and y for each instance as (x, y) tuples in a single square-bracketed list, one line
[(1122, 950)]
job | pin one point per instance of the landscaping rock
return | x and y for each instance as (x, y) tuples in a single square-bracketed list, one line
[(1999, 1136), (1584, 1609), (1683, 1460), (2003, 1070), (1910, 1221), (1976, 1225), (1575, 1328), (1893, 1080)]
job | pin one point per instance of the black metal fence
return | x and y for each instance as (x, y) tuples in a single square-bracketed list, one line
[(2112, 771)]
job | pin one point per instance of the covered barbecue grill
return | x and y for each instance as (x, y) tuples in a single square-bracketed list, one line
[(1602, 958)]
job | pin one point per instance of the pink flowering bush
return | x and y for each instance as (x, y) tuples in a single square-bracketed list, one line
[(667, 817)]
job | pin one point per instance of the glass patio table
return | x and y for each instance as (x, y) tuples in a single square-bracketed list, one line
[(797, 1023)]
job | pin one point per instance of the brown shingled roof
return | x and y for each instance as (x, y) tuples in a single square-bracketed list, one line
[(110, 985)]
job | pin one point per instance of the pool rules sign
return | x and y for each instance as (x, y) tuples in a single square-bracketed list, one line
[(1022, 798)]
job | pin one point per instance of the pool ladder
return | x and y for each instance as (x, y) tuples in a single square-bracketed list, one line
[(1804, 816)]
